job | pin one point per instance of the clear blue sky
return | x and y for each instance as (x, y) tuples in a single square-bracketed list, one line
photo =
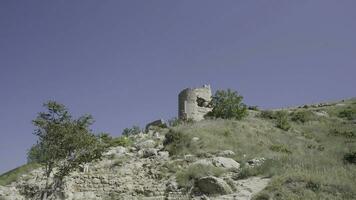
[(124, 62)]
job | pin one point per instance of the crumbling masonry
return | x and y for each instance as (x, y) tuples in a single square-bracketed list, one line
[(194, 103)]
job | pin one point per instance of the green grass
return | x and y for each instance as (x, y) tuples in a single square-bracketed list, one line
[(308, 158), (14, 174)]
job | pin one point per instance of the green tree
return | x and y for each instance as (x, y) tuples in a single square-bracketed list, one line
[(227, 104), (63, 144)]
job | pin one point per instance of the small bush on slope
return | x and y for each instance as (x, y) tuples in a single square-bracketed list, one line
[(280, 118), (350, 157), (349, 113), (267, 114), (302, 116)]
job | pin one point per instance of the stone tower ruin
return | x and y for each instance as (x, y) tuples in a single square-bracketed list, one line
[(194, 103)]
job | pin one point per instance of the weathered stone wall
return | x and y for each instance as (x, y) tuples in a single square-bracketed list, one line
[(194, 103)]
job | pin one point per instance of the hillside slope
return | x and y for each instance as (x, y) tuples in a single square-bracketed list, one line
[(295, 153)]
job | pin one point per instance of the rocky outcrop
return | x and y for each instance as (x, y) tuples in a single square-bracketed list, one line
[(221, 162), (213, 186), (10, 192), (136, 172)]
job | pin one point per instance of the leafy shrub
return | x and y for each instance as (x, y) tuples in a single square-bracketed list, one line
[(253, 108), (267, 114), (264, 169), (227, 104), (342, 133), (282, 120), (348, 113), (187, 177), (280, 148), (307, 135), (350, 157), (302, 116), (175, 141), (131, 131), (317, 147)]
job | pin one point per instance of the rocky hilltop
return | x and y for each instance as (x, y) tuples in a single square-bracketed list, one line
[(307, 152)]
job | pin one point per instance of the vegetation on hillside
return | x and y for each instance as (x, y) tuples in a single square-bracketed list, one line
[(310, 152), (14, 174)]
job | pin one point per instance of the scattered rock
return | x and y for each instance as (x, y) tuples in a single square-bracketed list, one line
[(227, 163), (221, 162), (211, 185), (115, 151), (172, 186), (205, 161), (321, 113), (163, 154), (190, 158), (226, 153), (145, 144), (256, 162), (149, 152)]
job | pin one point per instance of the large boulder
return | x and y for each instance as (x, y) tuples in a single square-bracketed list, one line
[(227, 163), (146, 144), (163, 155), (221, 162), (213, 186)]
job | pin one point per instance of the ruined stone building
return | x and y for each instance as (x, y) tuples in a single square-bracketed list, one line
[(194, 103)]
